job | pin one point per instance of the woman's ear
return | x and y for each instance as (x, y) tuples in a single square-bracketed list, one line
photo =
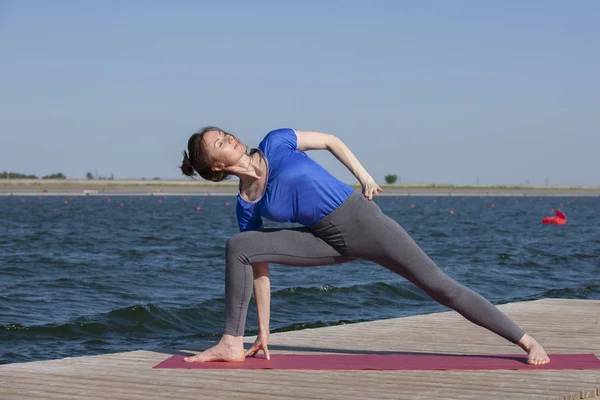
[(218, 167)]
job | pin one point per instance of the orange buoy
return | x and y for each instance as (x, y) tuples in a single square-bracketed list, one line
[(558, 219)]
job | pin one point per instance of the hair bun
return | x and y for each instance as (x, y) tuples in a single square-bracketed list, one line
[(186, 166)]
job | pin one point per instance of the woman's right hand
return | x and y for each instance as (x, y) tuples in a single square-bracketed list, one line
[(370, 188), (260, 343)]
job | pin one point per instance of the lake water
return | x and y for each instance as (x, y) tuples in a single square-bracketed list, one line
[(90, 274)]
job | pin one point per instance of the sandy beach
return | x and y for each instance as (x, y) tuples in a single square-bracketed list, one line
[(59, 187)]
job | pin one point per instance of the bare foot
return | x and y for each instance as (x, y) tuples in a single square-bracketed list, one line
[(229, 349), (536, 355)]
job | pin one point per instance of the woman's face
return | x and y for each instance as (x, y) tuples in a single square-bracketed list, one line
[(225, 150)]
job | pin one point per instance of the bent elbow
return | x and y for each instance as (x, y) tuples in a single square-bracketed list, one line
[(332, 141)]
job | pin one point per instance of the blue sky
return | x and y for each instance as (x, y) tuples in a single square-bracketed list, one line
[(433, 91)]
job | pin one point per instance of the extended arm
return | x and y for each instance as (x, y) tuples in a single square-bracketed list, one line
[(262, 293), (308, 140)]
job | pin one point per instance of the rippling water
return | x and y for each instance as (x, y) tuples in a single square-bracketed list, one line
[(90, 275)]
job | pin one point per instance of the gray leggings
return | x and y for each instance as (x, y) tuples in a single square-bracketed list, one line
[(356, 229)]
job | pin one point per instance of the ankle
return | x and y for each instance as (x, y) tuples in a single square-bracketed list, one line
[(527, 342), (232, 341)]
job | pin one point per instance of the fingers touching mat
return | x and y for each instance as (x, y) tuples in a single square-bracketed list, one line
[(393, 362)]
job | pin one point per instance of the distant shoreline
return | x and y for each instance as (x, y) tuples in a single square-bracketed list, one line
[(71, 187)]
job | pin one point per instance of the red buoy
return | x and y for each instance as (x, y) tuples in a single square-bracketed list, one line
[(558, 219)]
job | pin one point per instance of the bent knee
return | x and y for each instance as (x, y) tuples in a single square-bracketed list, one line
[(239, 243), (235, 242)]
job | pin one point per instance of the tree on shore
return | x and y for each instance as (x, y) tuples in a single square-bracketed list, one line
[(391, 179), (16, 175), (89, 176), (58, 175)]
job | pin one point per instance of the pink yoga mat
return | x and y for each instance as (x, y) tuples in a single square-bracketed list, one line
[(393, 362)]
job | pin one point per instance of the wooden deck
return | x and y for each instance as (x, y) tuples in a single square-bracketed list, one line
[(562, 326)]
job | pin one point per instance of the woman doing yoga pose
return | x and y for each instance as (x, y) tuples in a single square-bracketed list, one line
[(280, 182)]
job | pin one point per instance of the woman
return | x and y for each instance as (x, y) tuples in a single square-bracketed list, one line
[(278, 181)]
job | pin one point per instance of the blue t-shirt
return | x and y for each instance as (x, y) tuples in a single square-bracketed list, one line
[(298, 189)]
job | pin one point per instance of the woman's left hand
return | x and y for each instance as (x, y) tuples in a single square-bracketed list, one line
[(260, 344), (370, 188)]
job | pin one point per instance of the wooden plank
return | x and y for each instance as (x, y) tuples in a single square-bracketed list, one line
[(452, 381), (517, 384)]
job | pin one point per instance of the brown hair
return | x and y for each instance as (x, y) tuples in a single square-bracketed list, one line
[(198, 159)]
